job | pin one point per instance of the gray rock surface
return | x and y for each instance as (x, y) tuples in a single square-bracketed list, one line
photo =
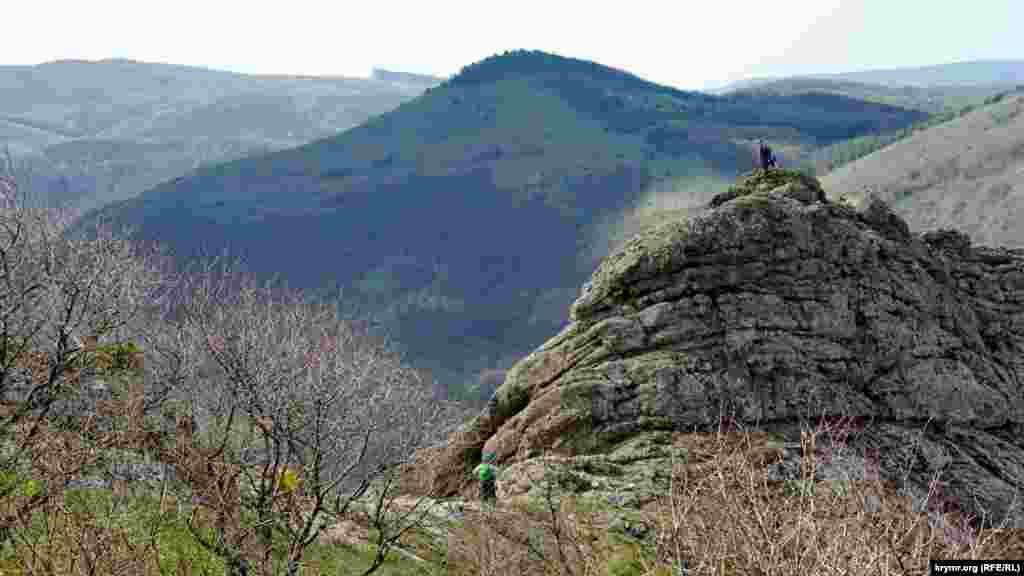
[(777, 308)]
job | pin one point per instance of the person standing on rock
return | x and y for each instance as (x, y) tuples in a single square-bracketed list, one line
[(766, 156), (487, 473)]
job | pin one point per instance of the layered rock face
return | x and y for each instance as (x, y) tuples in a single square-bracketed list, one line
[(777, 308)]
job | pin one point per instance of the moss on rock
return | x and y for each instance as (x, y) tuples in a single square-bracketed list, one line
[(787, 183), (653, 252)]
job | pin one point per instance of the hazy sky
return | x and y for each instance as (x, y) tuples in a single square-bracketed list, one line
[(684, 43)]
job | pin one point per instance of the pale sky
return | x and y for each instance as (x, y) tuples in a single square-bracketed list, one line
[(683, 43)]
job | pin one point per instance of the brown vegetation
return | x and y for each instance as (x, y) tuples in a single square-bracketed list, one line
[(721, 515), (287, 417)]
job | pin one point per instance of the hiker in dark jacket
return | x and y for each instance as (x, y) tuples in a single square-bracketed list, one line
[(766, 156), (762, 155)]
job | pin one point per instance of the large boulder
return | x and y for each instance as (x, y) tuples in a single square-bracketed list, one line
[(777, 308)]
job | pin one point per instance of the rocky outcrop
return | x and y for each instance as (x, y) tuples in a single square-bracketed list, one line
[(777, 308)]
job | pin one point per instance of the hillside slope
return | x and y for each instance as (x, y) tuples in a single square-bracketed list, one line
[(967, 174), (459, 218), (100, 131), (930, 99)]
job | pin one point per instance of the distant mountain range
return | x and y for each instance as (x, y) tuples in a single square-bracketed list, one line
[(970, 73), (967, 173), (466, 218), (94, 132), (937, 79), (405, 78)]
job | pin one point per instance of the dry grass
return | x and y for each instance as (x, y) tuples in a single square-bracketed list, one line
[(722, 516), (524, 539), (966, 174), (726, 518)]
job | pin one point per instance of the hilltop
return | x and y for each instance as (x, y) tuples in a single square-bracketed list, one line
[(93, 132), (459, 218), (966, 174)]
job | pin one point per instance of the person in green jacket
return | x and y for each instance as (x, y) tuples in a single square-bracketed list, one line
[(487, 473)]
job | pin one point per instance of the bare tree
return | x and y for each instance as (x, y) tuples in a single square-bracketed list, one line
[(293, 416), (58, 299), (296, 417)]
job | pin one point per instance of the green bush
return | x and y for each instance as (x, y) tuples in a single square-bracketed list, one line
[(801, 488), (12, 483), (114, 357), (625, 566), (10, 346), (995, 99)]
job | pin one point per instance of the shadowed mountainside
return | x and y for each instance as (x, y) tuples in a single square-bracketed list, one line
[(459, 219)]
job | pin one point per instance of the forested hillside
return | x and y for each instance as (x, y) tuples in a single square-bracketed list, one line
[(467, 218)]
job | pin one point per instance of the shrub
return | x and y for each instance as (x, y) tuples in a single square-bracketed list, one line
[(114, 357)]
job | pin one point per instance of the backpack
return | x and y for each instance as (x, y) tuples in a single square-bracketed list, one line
[(485, 472)]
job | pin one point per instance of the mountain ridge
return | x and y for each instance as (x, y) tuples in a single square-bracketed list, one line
[(464, 211), (1008, 71), (168, 119)]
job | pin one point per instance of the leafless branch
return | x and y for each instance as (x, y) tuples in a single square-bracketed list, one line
[(308, 410)]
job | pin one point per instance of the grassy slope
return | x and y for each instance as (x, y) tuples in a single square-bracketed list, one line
[(967, 174), (834, 156), (467, 218)]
